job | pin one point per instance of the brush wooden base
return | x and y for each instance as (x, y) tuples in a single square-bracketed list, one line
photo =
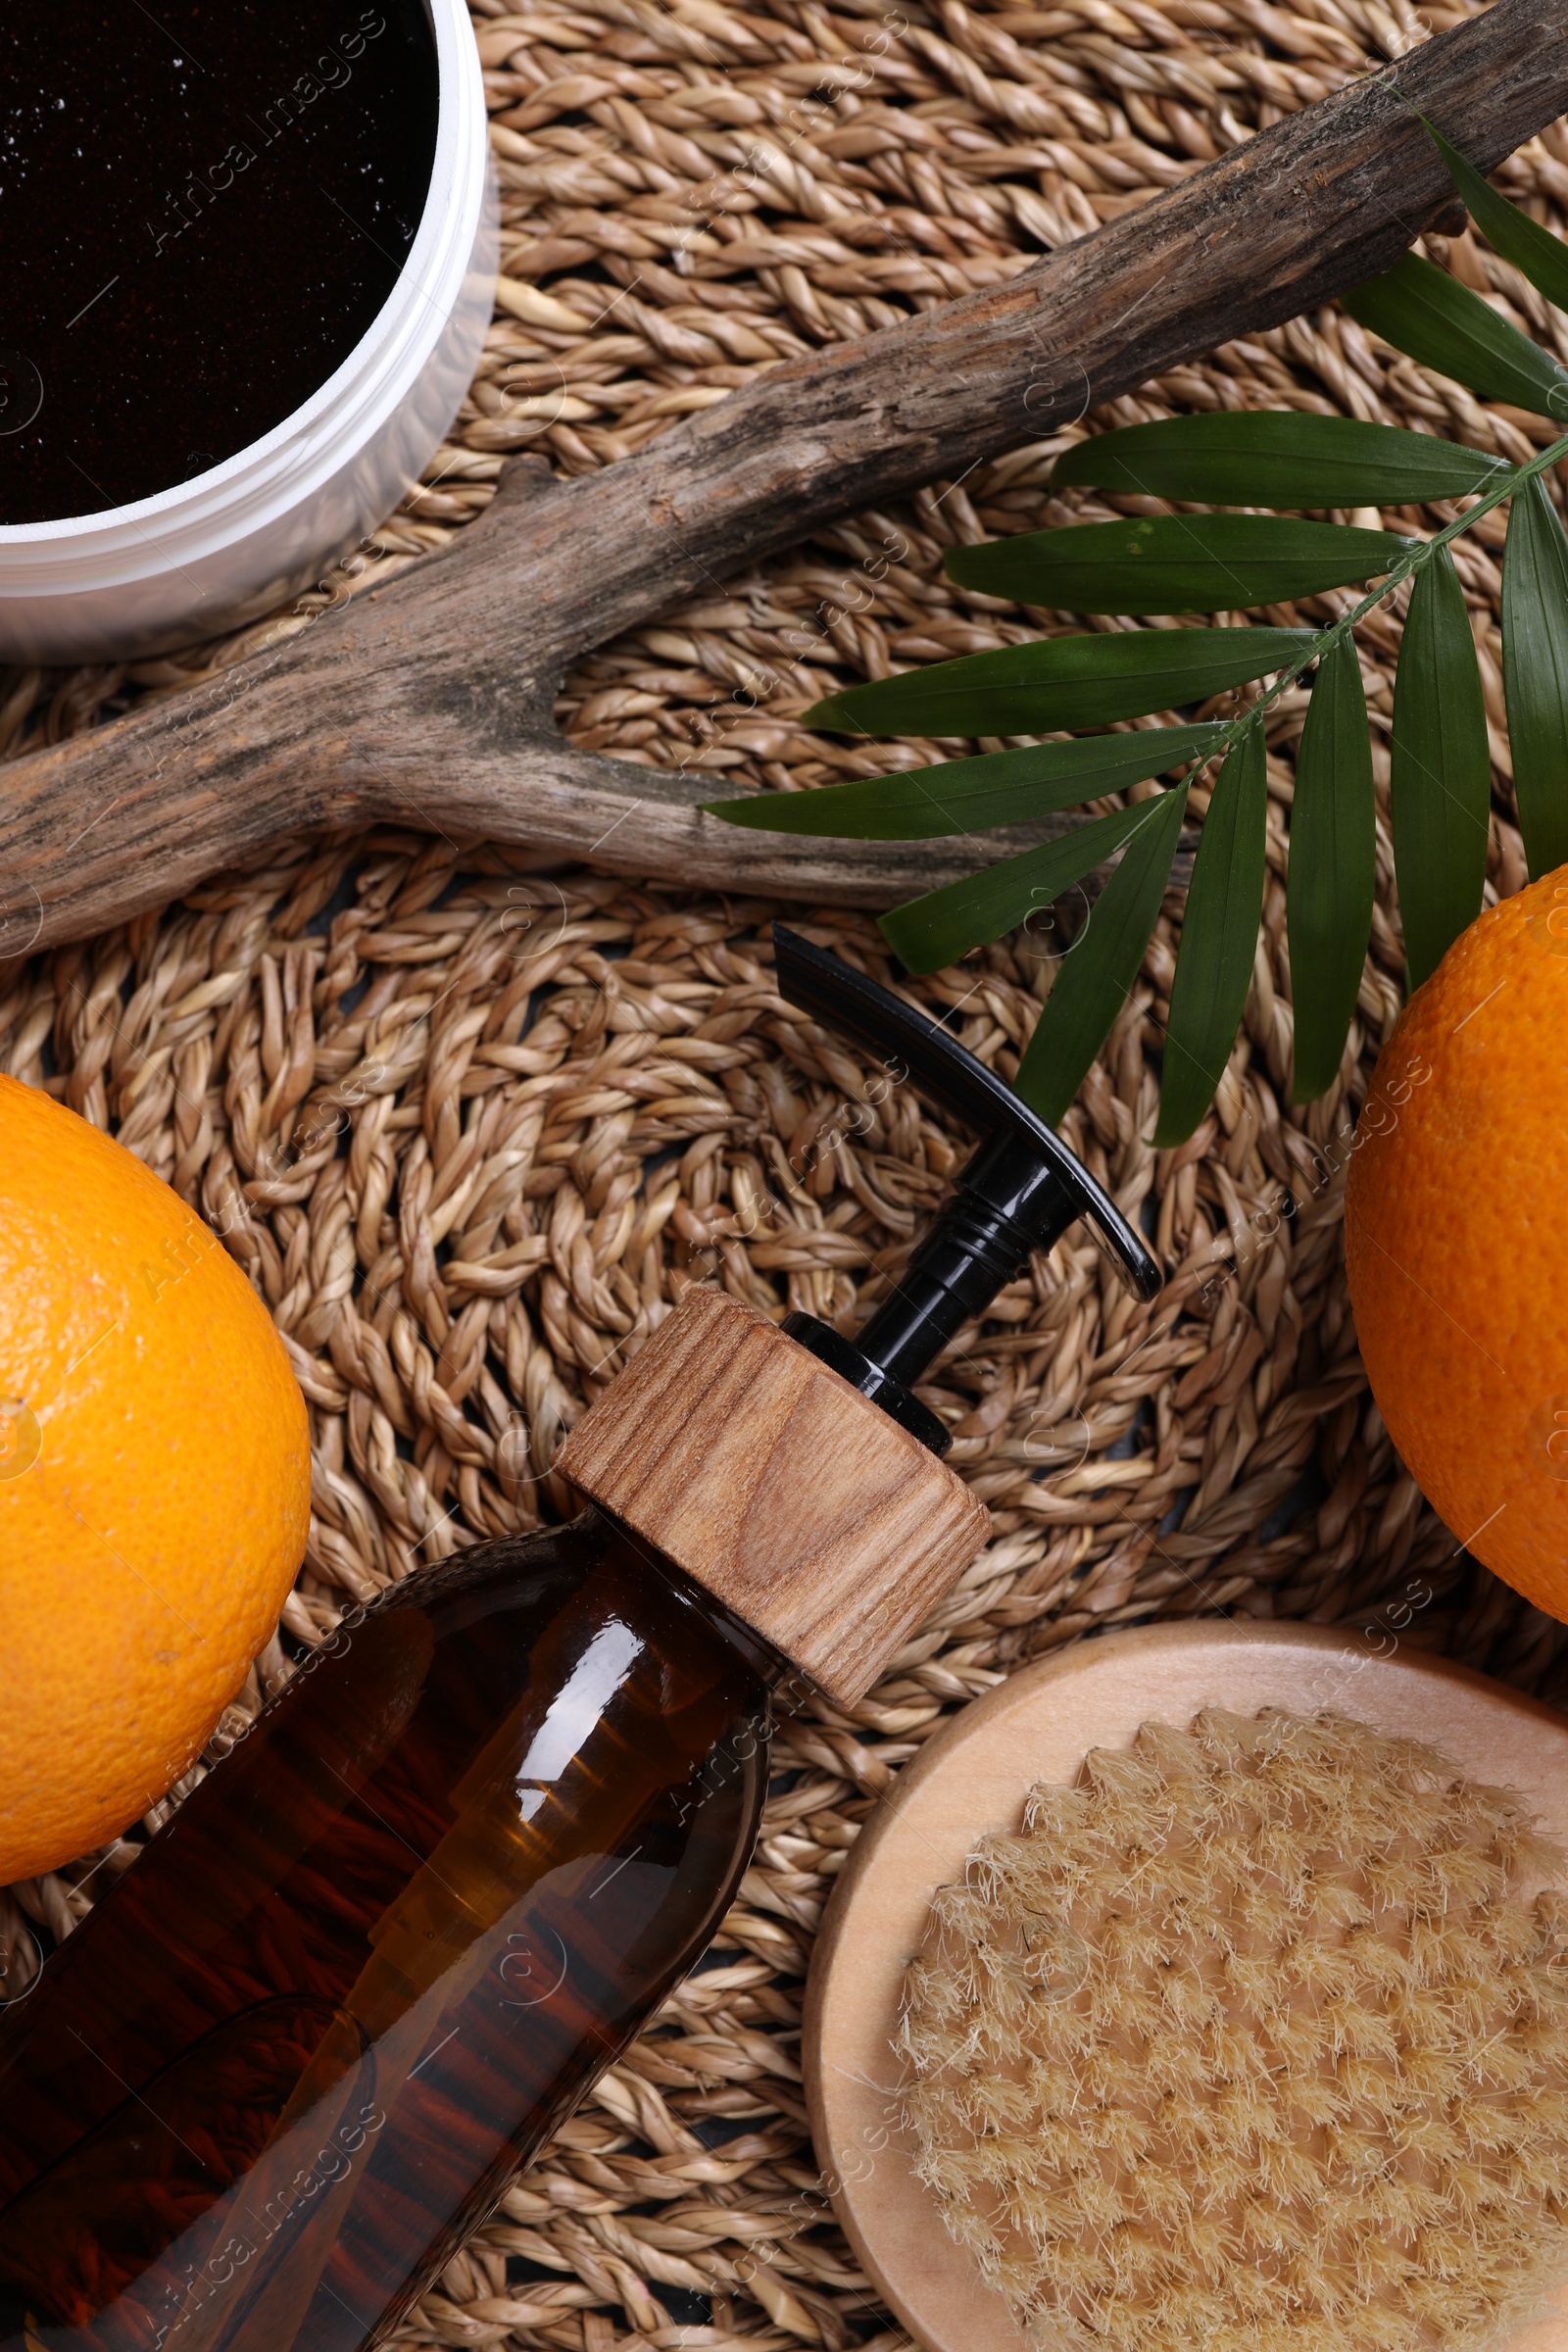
[(973, 1778)]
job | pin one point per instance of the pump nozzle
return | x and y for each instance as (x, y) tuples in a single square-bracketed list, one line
[(1019, 1192)]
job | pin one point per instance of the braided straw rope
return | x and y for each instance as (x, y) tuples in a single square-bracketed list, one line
[(472, 1122)]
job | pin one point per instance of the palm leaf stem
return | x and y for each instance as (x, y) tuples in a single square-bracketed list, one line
[(1406, 567)]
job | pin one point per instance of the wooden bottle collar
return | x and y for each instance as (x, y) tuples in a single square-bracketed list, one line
[(778, 1487)]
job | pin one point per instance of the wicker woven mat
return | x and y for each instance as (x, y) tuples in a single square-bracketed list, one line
[(472, 1122)]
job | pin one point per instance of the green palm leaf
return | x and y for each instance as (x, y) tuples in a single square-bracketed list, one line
[(1333, 870), (1441, 770), (1423, 312), (1175, 563), (1532, 250), (1535, 672), (1219, 935), (961, 796), (1103, 964), (1062, 682), (942, 926), (1278, 458), (1170, 564)]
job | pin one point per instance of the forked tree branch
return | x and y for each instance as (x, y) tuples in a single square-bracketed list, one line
[(428, 702)]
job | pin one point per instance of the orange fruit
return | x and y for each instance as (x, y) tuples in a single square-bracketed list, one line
[(154, 1483), (1456, 1240)]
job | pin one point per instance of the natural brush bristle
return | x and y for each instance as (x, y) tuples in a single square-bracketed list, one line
[(1252, 2041)]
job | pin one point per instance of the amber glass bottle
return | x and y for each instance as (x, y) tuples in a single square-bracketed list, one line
[(378, 1953), (255, 2101)]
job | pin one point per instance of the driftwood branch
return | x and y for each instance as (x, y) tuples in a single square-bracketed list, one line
[(428, 702)]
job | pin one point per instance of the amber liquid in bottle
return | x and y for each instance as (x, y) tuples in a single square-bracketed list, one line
[(259, 2097)]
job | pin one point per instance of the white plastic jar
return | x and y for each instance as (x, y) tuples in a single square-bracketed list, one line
[(231, 543)]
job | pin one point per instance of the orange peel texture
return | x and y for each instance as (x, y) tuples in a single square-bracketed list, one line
[(1456, 1240), (154, 1483)]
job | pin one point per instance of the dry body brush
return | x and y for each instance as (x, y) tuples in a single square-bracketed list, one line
[(1254, 2039)]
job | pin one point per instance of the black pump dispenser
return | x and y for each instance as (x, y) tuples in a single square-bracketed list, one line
[(1019, 1192)]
